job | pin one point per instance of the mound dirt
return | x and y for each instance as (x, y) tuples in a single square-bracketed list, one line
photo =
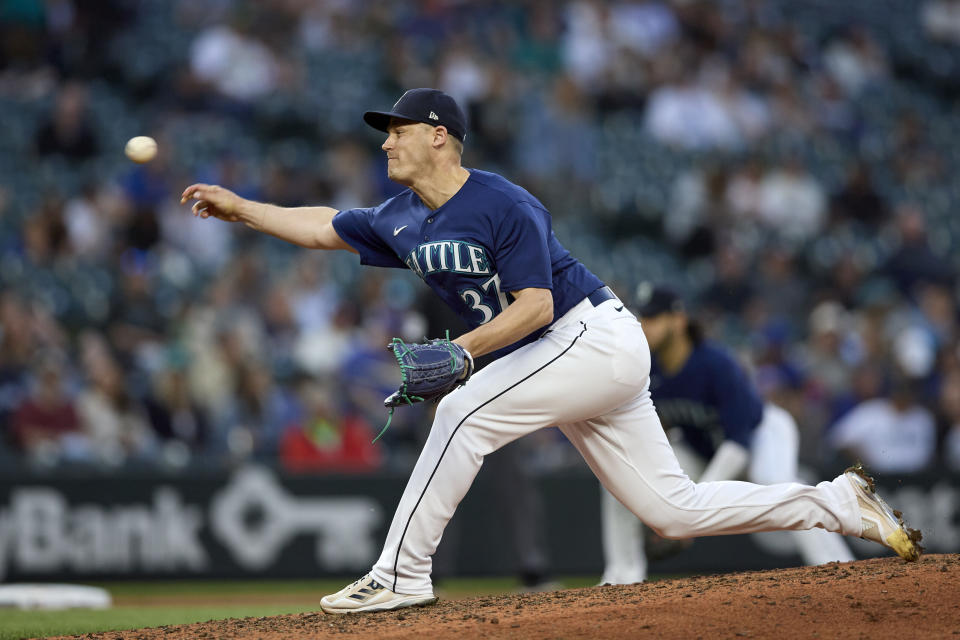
[(869, 599)]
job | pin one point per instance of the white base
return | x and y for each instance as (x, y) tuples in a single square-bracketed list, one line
[(53, 596)]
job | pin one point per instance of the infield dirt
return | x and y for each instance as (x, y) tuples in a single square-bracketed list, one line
[(869, 599)]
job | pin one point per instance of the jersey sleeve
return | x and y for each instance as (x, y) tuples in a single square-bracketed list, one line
[(522, 250), (739, 407), (355, 227)]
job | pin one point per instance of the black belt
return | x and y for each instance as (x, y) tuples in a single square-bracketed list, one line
[(601, 295)]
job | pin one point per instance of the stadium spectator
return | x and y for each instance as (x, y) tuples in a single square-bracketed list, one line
[(892, 434), (690, 116), (261, 412), (792, 201), (790, 112), (26, 329), (173, 413), (47, 415), (368, 375), (325, 440), (232, 61), (491, 118), (697, 209), (936, 315), (135, 322), (855, 59), (914, 261), (68, 132), (349, 174), (567, 146), (915, 158), (89, 230), (780, 290), (744, 191), (44, 233), (827, 351), (732, 287), (866, 383), (648, 27), (858, 201), (941, 20), (313, 298), (113, 421), (463, 74), (22, 26), (949, 417), (586, 45), (951, 448)]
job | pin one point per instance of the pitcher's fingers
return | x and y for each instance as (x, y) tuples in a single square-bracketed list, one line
[(200, 206), (193, 191)]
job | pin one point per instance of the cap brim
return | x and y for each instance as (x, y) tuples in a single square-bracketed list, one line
[(381, 119)]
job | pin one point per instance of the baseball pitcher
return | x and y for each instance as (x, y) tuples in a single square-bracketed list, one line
[(567, 353)]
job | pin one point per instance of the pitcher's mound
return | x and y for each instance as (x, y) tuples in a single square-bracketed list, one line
[(872, 599)]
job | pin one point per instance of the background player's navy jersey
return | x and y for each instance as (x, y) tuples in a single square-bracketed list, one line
[(490, 238), (710, 398)]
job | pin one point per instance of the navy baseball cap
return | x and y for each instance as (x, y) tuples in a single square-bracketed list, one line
[(654, 300), (430, 106)]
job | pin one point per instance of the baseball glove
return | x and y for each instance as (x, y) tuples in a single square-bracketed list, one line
[(428, 371)]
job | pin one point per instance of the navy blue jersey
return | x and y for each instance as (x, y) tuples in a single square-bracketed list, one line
[(710, 398), (492, 237)]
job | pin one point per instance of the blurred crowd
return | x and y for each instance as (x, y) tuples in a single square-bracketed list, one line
[(787, 166)]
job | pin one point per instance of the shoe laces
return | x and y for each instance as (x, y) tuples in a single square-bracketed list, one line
[(357, 581)]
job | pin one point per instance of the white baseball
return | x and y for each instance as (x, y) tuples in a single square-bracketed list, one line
[(141, 149)]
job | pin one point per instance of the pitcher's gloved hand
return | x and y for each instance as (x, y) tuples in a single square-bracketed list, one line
[(429, 370)]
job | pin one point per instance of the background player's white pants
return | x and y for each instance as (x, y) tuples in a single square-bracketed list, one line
[(589, 374), (773, 459)]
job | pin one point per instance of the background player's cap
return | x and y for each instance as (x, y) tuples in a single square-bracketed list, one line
[(653, 300), (430, 106)]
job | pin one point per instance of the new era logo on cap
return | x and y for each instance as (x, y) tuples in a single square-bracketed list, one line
[(440, 109)]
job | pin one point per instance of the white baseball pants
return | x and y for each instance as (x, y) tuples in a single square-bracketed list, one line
[(589, 374), (773, 459)]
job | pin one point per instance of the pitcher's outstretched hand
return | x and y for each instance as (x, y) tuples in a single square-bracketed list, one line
[(213, 200)]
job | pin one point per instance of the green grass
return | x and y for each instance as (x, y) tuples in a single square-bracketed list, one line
[(155, 604), (28, 624), (225, 588)]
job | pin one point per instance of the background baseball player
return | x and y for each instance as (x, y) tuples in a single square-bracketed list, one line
[(718, 425), (567, 353)]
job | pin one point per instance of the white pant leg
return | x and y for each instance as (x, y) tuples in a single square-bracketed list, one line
[(629, 452), (624, 556), (568, 374), (773, 458)]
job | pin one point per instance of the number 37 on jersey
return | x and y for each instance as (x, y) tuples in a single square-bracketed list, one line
[(478, 286)]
